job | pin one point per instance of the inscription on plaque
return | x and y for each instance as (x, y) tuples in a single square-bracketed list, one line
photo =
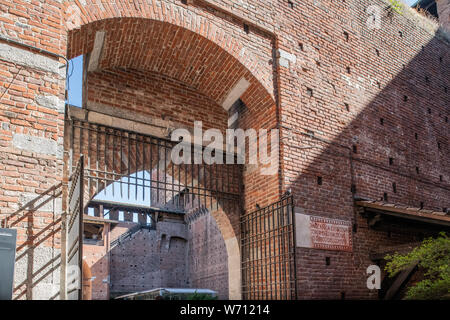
[(323, 233)]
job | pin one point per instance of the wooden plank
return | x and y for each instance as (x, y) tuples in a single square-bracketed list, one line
[(399, 281), (405, 213)]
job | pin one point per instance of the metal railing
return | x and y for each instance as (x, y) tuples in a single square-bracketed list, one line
[(126, 235), (268, 252)]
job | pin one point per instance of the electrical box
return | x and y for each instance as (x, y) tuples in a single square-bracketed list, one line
[(7, 260)]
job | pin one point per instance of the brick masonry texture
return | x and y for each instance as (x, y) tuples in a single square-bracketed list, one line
[(207, 255), (151, 259), (177, 254), (372, 94), (150, 95)]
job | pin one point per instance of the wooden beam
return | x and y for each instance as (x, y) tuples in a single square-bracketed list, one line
[(399, 281), (405, 213)]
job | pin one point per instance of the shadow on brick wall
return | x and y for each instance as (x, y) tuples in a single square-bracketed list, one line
[(37, 253), (394, 148)]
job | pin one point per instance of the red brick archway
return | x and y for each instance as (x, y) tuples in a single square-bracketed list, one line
[(203, 60), (178, 53), (208, 62), (227, 35)]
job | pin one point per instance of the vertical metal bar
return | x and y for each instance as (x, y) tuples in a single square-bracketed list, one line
[(244, 258), (279, 251), (252, 248), (284, 251), (129, 163), (151, 168), (262, 255), (144, 151), (192, 167), (157, 171), (211, 186), (121, 162), (80, 227), (113, 160), (241, 246), (273, 257), (97, 158), (136, 166), (204, 185), (258, 262), (269, 256), (89, 159), (198, 185), (165, 174), (294, 240), (216, 176), (105, 156), (265, 257), (179, 184), (173, 183)]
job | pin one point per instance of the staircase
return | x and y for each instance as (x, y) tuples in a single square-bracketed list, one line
[(127, 235)]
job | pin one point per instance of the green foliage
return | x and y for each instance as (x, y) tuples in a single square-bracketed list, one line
[(433, 256), (200, 296), (396, 5)]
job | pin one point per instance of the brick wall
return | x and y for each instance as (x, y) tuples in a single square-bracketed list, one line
[(207, 254), (97, 259), (150, 259), (31, 129), (151, 95), (359, 87), (175, 255)]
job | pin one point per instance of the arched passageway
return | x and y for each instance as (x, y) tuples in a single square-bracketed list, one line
[(153, 77)]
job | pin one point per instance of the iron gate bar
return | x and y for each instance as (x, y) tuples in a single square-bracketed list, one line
[(218, 182), (268, 252), (105, 171), (75, 219)]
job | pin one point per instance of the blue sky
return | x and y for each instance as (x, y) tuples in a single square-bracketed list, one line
[(75, 81), (112, 193), (410, 2)]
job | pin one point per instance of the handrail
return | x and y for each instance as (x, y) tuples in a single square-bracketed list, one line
[(128, 234)]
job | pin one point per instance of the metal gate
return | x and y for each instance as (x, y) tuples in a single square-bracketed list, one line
[(268, 252), (75, 232), (139, 166)]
